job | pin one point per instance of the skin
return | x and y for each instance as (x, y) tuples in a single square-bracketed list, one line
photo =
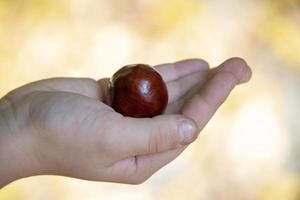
[(62, 126)]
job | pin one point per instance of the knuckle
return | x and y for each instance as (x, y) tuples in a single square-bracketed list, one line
[(225, 79), (175, 86), (155, 140), (229, 81), (165, 135), (210, 99), (37, 117), (225, 85)]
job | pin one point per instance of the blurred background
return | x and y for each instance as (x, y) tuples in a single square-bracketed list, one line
[(249, 150)]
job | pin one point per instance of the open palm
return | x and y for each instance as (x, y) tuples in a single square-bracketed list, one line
[(74, 133)]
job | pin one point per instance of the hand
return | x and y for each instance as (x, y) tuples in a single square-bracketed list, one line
[(62, 126)]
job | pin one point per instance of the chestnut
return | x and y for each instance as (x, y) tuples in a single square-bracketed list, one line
[(138, 90)]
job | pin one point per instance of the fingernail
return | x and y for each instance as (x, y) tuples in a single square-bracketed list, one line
[(187, 130)]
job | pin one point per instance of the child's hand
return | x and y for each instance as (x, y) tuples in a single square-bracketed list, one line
[(62, 126)]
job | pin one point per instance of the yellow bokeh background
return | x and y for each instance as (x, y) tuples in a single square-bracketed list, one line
[(249, 150)]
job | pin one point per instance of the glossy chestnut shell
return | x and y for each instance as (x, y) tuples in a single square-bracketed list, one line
[(138, 91)]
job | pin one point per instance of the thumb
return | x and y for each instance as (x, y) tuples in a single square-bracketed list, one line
[(152, 135)]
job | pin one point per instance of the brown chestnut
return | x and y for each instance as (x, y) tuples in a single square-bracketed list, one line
[(138, 91)]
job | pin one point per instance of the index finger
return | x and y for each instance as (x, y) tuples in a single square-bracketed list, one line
[(210, 97)]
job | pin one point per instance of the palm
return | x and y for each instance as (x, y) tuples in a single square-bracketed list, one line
[(74, 112), (78, 101)]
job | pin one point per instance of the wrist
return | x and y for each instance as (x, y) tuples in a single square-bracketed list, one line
[(16, 156)]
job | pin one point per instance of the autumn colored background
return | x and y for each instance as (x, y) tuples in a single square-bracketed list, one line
[(251, 148)]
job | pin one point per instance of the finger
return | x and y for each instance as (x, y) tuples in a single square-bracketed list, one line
[(178, 88), (204, 104), (238, 67), (174, 71), (176, 106), (151, 135), (84, 86)]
